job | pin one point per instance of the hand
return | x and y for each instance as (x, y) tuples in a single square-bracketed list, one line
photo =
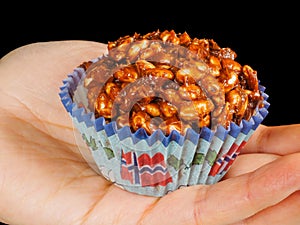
[(44, 179)]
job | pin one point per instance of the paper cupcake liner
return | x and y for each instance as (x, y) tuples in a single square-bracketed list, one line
[(157, 164)]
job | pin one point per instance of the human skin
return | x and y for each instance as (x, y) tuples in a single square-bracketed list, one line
[(44, 179)]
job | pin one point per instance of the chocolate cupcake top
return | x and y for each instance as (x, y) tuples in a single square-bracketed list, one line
[(170, 81)]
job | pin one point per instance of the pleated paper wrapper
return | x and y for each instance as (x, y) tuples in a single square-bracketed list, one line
[(157, 164)]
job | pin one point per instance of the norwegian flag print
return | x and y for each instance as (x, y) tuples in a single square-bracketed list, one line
[(224, 163), (231, 159), (145, 170)]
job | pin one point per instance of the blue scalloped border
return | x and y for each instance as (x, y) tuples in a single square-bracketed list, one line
[(69, 86)]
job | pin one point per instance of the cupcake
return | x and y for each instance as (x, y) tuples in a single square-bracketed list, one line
[(162, 110)]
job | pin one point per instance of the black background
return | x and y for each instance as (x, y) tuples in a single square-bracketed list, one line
[(265, 38)]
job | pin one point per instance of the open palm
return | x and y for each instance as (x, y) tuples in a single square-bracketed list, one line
[(45, 180)]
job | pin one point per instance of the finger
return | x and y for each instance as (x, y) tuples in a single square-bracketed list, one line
[(279, 140), (32, 76), (248, 163), (217, 204), (286, 212)]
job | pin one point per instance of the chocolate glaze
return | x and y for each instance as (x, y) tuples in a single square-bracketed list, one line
[(167, 80)]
